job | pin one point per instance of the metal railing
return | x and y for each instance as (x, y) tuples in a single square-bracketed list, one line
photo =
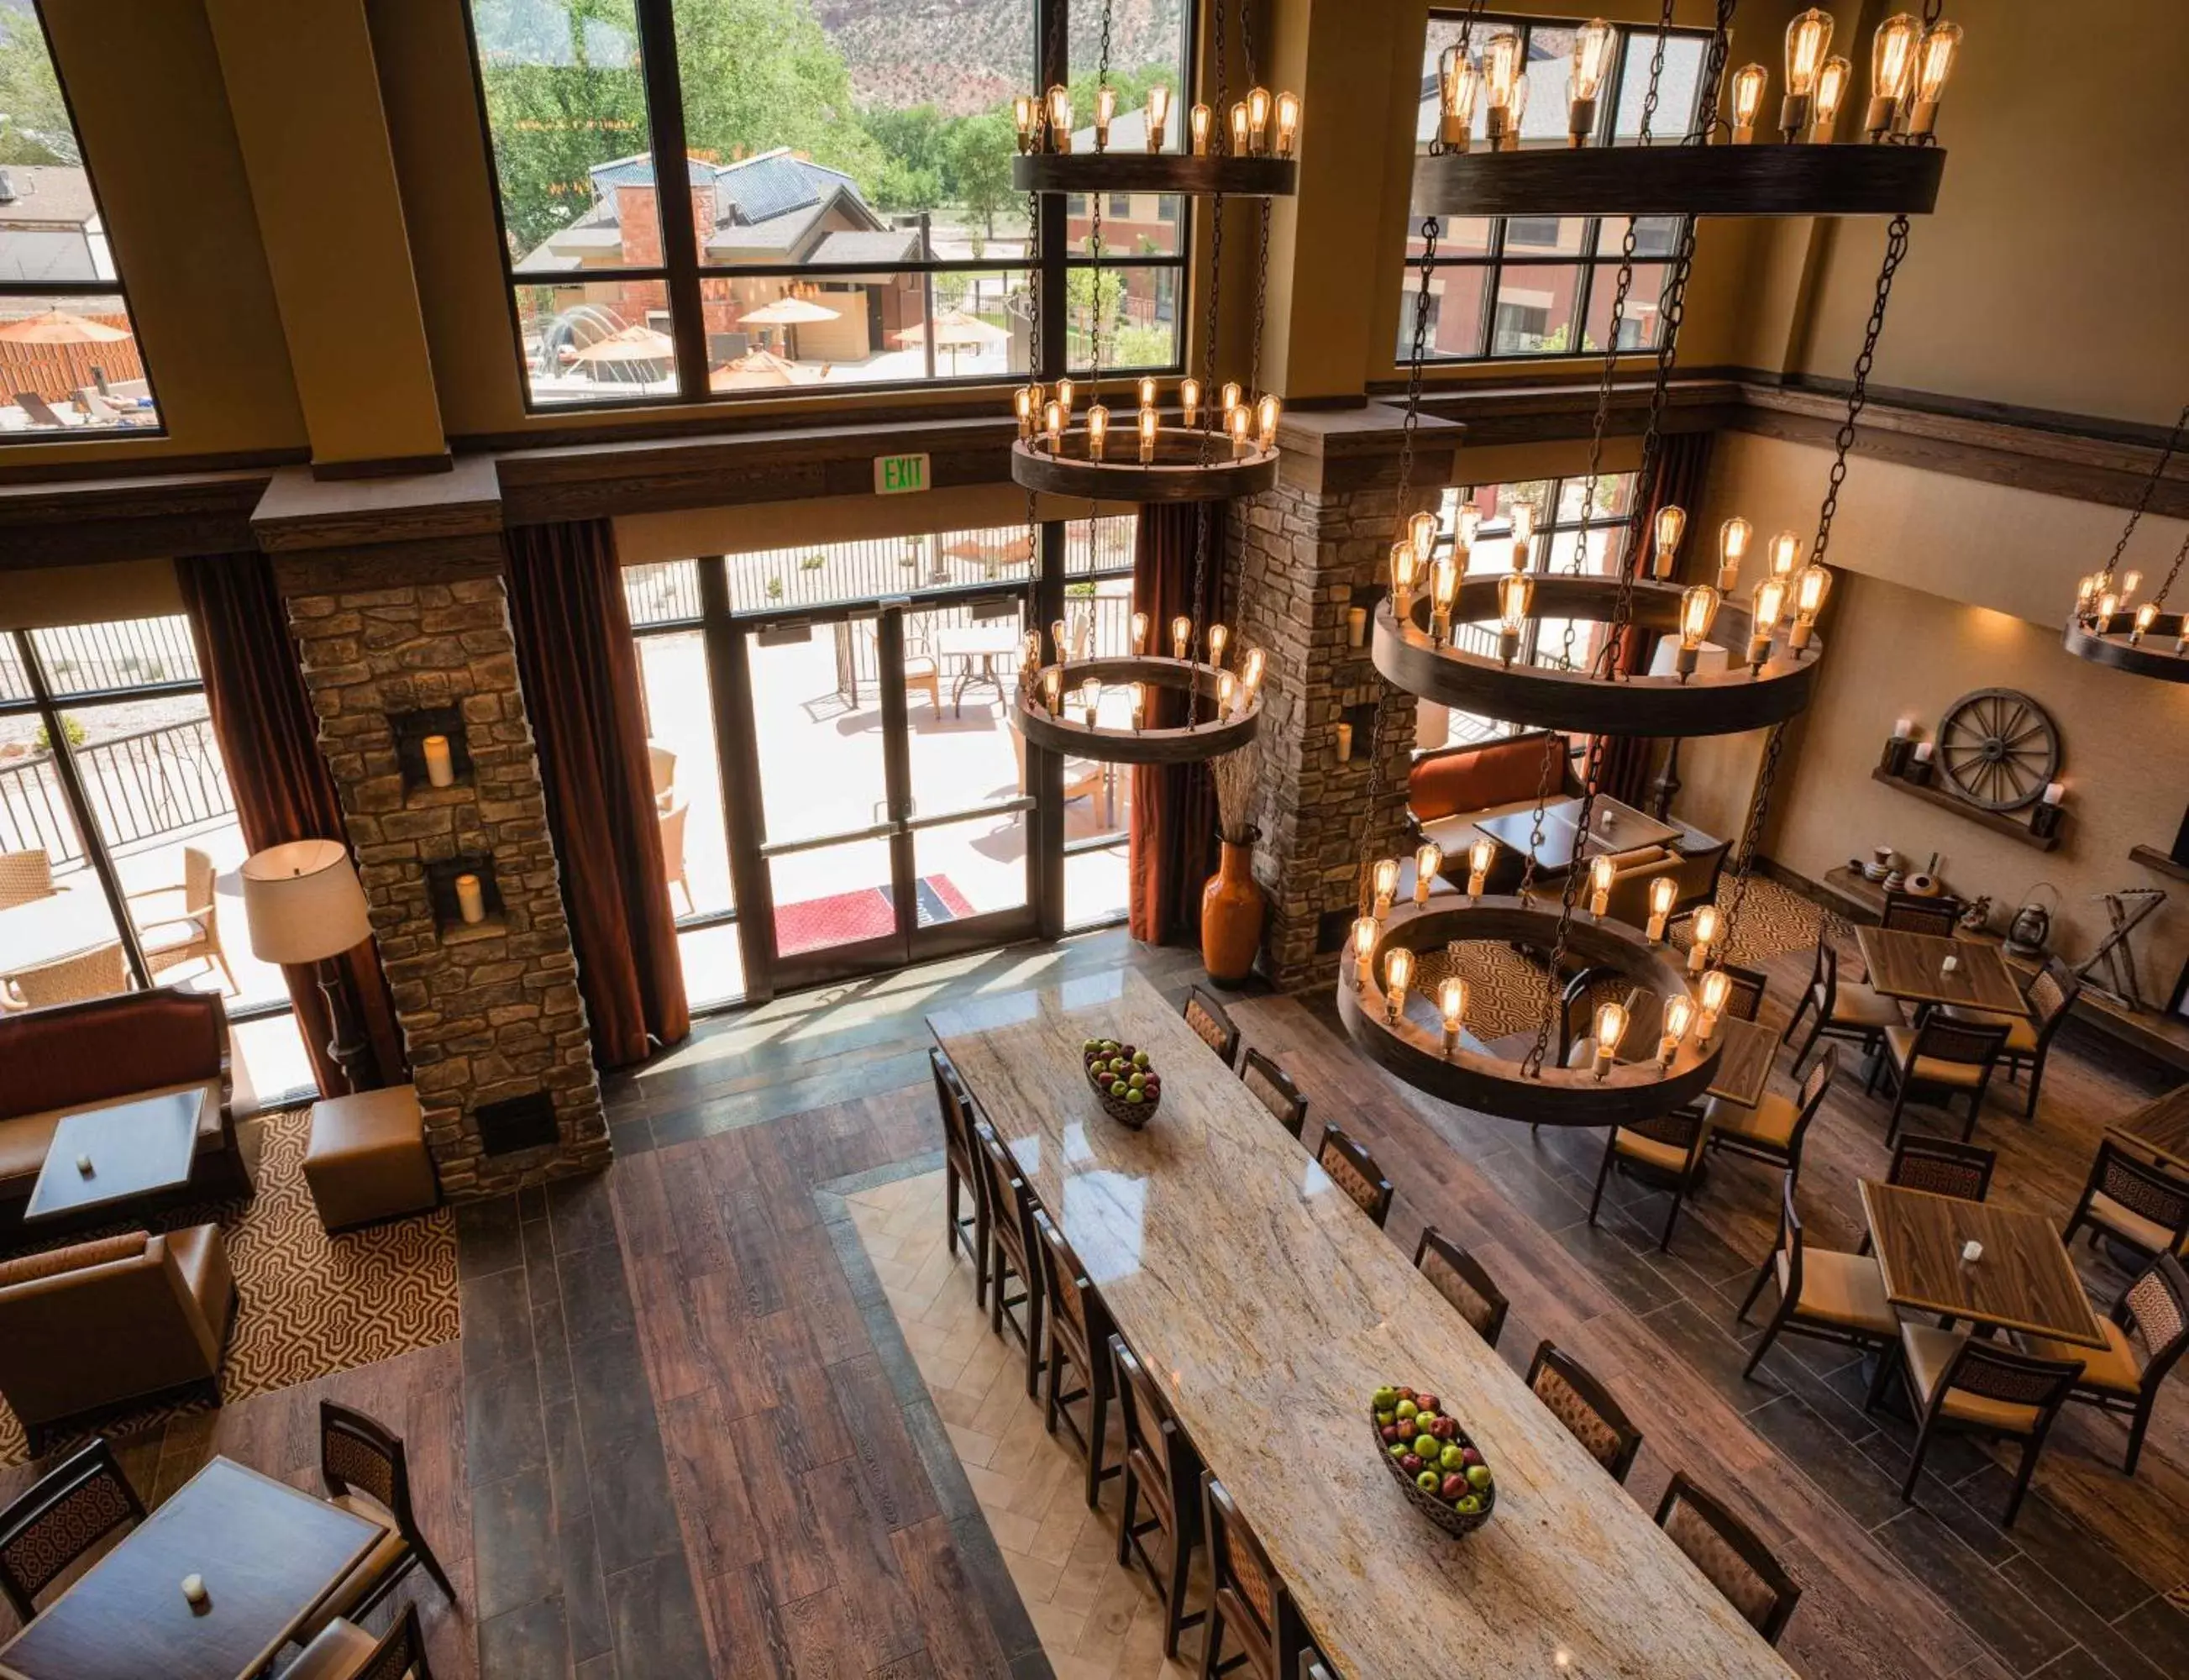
[(120, 654), (152, 783)]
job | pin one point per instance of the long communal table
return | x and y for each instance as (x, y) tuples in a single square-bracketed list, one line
[(1271, 1308)]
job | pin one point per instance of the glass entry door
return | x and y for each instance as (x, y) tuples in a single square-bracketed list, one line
[(894, 817)]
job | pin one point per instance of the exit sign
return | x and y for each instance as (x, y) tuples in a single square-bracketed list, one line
[(900, 474)]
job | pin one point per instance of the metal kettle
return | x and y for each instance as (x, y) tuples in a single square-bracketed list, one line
[(2033, 923)]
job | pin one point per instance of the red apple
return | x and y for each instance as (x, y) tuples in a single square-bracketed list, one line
[(1471, 1455), (1411, 1464), (1455, 1486), (1391, 1432), (1427, 1402)]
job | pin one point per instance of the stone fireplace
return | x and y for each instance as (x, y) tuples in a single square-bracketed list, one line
[(489, 1009)]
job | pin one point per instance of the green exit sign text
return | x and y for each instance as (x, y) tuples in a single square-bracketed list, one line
[(898, 474)]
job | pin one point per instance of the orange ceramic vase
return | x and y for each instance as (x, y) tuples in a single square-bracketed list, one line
[(1231, 917)]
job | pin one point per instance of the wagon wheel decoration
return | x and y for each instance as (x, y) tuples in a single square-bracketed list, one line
[(1997, 749)]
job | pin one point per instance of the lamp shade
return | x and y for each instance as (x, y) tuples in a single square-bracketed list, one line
[(303, 903)]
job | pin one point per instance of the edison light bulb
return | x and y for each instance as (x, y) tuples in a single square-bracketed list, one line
[(1239, 129), (1201, 123), (1833, 82), (1591, 57), (1452, 1005), (1480, 856), (1398, 980), (1458, 85), (1053, 417), (1664, 891), (1288, 122), (1672, 526), (1934, 63), (1219, 638), (1105, 109), (1231, 394), (1428, 858), (1770, 600), (1236, 421), (1420, 531), (1364, 947), (1679, 1010), (1181, 634), (1891, 71), (1502, 66), (2108, 604), (1139, 634), (1060, 638), (1258, 119), (1059, 118), (1716, 987), (1747, 99), (1023, 400), (1470, 521), (1139, 707), (1158, 116), (1025, 116), (1149, 391), (1227, 694), (1601, 869), (1189, 402), (1090, 700), (1250, 673), (1706, 935), (1524, 532), (1265, 421), (1515, 590), (2144, 615), (1098, 430), (1806, 39), (1064, 392), (1520, 110), (1444, 587), (1610, 1028), (1812, 584), (1732, 539), (1786, 550), (2129, 583), (1387, 882), (1052, 689), (1406, 572), (1697, 609), (1149, 425)]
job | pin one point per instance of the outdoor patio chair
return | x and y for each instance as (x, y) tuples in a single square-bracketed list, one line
[(99, 972), (191, 934), (672, 851), (42, 413), (25, 875), (663, 764)]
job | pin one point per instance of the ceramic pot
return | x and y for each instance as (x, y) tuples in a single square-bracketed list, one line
[(1231, 916)]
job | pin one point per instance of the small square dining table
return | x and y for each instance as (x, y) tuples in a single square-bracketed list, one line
[(2022, 1281), (2161, 1125), (1745, 1050), (1910, 966)]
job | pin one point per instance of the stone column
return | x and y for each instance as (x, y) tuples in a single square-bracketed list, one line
[(1305, 553)]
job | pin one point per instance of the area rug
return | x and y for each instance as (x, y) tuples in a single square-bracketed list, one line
[(312, 1305), (869, 913)]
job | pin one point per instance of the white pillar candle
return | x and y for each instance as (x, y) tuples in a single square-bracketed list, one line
[(2055, 792), (1356, 626), (1344, 743), (193, 1589), (1923, 752), (470, 902), (1903, 728), (1972, 1251), (440, 768)]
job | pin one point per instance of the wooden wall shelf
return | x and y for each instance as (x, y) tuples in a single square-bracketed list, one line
[(2153, 858), (1997, 821)]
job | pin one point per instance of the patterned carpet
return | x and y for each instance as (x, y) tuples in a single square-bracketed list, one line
[(312, 1305)]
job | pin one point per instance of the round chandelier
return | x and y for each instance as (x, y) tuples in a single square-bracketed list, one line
[(2109, 626), (1458, 639), (1215, 443)]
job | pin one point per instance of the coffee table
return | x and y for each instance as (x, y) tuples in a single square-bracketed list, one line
[(136, 1149)]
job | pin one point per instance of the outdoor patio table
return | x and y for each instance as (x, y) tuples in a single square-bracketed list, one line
[(976, 647)]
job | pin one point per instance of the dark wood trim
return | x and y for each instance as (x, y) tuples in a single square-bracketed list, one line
[(2153, 858), (1177, 474), (1064, 734), (319, 571), (1141, 171), (385, 467), (80, 523), (1686, 180), (1997, 821), (300, 510)]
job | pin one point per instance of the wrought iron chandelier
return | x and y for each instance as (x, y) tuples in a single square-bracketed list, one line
[(2109, 626)]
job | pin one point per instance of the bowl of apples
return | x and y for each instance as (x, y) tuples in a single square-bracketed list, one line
[(1440, 1468), (1127, 1087)]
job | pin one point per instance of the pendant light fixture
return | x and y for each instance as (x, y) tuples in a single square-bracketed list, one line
[(2110, 626)]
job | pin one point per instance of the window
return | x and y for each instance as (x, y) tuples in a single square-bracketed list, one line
[(118, 837), (852, 223), (1542, 285), (1098, 798), (70, 361)]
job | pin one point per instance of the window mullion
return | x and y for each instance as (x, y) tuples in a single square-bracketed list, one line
[(680, 243)]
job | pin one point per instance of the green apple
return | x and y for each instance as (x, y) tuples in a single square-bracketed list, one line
[(1136, 1078), (1117, 1087), (1135, 1096), (1469, 1505), (1139, 1058), (1451, 1458), (1428, 1481), (1385, 1400), (1478, 1475), (1399, 1449), (1406, 1409), (1428, 1447)]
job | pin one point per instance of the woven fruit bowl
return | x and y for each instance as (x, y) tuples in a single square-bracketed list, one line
[(1124, 1083), (1465, 1493)]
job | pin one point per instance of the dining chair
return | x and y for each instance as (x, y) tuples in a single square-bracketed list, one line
[(1011, 1249), (1274, 1087), (1458, 1277), (1967, 1385), (2051, 994), (661, 768), (64, 1514), (367, 1473), (2154, 1311), (1844, 1009), (99, 972), (673, 819), (1730, 1556), (1773, 1130), (24, 876), (1249, 1602), (1943, 1055), (1940, 1165), (1162, 1469), (1353, 1169), (961, 1176), (2140, 1203), (1823, 1293), (1079, 1332), (345, 1651), (1914, 913), (1743, 999), (1664, 1150), (1585, 1407), (1211, 1022), (193, 933)]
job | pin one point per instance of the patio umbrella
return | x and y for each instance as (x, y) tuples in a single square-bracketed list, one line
[(757, 370), (631, 344), (955, 331), (57, 326), (786, 312)]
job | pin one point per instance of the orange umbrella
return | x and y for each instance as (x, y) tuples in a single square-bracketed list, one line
[(632, 344), (756, 370), (57, 326)]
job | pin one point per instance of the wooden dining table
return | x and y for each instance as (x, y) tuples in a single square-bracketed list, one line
[(268, 1554), (2022, 1281), (1910, 966), (1616, 826), (1745, 1050), (2161, 1126), (1271, 1308)]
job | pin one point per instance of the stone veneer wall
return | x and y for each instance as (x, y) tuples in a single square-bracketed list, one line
[(1303, 558), (489, 1011)]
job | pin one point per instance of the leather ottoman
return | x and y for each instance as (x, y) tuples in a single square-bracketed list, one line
[(367, 1161)]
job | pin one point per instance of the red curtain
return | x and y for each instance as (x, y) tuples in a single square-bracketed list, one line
[(579, 668), (1683, 464), (268, 738), (1173, 845)]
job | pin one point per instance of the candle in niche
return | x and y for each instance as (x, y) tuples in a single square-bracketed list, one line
[(2055, 792), (1344, 744), (471, 901), (440, 766), (1356, 626)]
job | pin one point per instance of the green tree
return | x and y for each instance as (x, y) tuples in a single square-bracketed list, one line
[(760, 74), (979, 153), (34, 124)]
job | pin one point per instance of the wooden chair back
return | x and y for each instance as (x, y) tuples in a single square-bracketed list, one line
[(1075, 1311), (400, 1654), (1942, 1167), (1913, 913), (2156, 1309), (1729, 1555), (1459, 1277), (25, 875), (1993, 1371), (67, 1511), (955, 1104), (1154, 1449), (2146, 1188), (1353, 1169), (1211, 1022), (358, 1454), (1010, 1204), (1269, 1082), (1249, 1592), (1681, 1128), (1744, 1002), (661, 766), (1816, 1086), (1585, 1407), (1973, 1044), (1790, 1239), (2052, 993)]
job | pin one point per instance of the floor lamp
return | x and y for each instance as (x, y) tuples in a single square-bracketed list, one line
[(302, 904)]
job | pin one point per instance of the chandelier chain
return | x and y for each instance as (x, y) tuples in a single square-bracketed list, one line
[(1656, 72), (1751, 838), (1896, 249), (2143, 499), (1707, 121)]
